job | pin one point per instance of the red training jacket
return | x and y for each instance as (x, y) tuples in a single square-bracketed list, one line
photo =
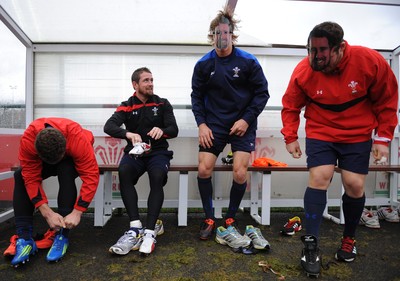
[(79, 148), (363, 91)]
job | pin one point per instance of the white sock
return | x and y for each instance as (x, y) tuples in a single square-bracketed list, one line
[(136, 224)]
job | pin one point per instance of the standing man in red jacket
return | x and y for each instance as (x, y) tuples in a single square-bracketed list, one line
[(350, 94), (52, 147)]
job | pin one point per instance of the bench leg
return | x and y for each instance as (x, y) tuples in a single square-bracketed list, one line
[(99, 203), (266, 199), (265, 218), (217, 195), (103, 200), (254, 198), (328, 216), (107, 196), (393, 180), (183, 198)]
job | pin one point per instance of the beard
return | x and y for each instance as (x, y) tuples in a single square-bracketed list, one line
[(317, 66)]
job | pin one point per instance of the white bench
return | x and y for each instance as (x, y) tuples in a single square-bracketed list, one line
[(260, 176), (104, 203)]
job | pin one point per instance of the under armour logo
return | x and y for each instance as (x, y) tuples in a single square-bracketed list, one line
[(319, 92)]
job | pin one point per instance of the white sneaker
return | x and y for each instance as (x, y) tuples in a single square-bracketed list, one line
[(388, 214), (159, 228), (231, 237), (131, 240), (139, 148), (258, 240), (148, 244), (369, 219)]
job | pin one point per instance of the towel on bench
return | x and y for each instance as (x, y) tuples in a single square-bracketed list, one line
[(267, 162)]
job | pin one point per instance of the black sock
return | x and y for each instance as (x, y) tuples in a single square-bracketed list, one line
[(352, 210), (236, 196), (24, 226), (314, 206), (206, 190)]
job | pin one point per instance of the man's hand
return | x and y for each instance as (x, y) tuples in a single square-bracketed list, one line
[(73, 219), (294, 149), (54, 220), (205, 136), (239, 128), (155, 133), (134, 138), (380, 153)]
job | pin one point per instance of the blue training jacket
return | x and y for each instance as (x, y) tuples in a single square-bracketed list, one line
[(227, 89)]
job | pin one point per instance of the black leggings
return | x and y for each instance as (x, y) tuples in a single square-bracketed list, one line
[(67, 193), (128, 177)]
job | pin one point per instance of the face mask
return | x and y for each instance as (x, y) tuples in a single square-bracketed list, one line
[(222, 36)]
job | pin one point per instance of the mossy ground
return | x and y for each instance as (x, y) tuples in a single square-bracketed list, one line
[(181, 256)]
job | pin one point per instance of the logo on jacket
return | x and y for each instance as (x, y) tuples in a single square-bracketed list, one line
[(353, 86), (319, 92), (155, 111), (134, 113), (236, 71)]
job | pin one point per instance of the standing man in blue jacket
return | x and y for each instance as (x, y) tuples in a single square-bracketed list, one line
[(229, 91)]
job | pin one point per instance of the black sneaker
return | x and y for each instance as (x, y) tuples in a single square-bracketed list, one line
[(310, 258), (228, 159), (347, 251), (207, 228)]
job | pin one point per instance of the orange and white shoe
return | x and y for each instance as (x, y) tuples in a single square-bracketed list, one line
[(10, 251)]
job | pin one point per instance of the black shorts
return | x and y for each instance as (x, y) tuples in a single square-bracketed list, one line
[(353, 157), (245, 143)]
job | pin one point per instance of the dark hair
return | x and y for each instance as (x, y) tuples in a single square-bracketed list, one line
[(331, 30), (223, 16), (50, 145), (136, 74)]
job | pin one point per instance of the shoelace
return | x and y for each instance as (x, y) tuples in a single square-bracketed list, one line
[(149, 235), (312, 255), (57, 243), (235, 233), (128, 237), (347, 245)]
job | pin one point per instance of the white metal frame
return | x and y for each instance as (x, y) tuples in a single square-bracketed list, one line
[(31, 49)]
